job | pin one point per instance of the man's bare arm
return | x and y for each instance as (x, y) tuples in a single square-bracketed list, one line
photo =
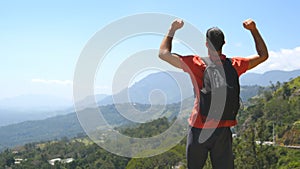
[(261, 48), (166, 45)]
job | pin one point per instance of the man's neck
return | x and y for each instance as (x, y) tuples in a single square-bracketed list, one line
[(215, 55), (213, 52)]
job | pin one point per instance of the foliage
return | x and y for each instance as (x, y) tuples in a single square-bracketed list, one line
[(147, 129), (280, 107), (163, 161)]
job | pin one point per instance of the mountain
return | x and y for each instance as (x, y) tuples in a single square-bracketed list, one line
[(11, 116), (89, 100), (139, 94), (267, 77), (156, 88), (162, 87), (33, 131), (37, 107), (247, 92)]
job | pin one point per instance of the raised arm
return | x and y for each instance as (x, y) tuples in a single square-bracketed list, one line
[(166, 45), (261, 48)]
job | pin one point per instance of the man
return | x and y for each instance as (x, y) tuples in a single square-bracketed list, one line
[(219, 144)]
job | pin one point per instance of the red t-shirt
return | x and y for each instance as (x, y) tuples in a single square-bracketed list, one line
[(193, 65)]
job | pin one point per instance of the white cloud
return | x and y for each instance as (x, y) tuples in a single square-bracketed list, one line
[(58, 82), (285, 59)]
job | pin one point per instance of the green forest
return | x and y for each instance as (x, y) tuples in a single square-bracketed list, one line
[(267, 137)]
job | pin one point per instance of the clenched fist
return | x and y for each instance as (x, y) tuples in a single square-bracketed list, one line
[(177, 24), (249, 24)]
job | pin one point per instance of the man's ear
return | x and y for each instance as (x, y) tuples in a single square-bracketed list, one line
[(206, 43)]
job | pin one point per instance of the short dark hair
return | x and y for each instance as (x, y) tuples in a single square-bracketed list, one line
[(215, 38)]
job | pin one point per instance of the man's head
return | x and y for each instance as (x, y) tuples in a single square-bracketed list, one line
[(215, 38)]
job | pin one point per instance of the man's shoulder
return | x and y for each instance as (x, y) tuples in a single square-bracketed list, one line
[(195, 59), (193, 62), (189, 58), (240, 64), (238, 58)]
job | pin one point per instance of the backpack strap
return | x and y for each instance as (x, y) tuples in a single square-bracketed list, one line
[(229, 60), (207, 61)]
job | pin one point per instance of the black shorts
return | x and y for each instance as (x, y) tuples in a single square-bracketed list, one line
[(216, 141)]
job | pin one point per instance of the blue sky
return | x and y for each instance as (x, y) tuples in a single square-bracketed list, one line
[(40, 41)]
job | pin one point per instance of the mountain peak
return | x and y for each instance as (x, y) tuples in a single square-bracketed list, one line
[(266, 78)]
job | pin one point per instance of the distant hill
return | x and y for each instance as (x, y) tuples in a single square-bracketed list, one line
[(267, 77), (31, 107), (160, 88), (36, 107), (33, 131), (69, 126), (164, 81), (247, 92), (11, 116)]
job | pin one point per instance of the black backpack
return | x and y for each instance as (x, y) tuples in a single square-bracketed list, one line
[(220, 95)]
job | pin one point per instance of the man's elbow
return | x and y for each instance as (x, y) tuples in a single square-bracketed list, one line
[(162, 54), (265, 56)]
